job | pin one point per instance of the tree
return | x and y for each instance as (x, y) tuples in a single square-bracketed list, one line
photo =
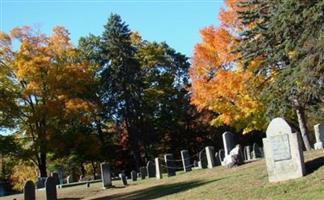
[(46, 86), (121, 81), (219, 82), (289, 40)]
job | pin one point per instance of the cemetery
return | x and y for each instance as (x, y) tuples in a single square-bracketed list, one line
[(196, 99)]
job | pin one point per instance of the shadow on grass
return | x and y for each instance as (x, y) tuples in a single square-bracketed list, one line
[(313, 165), (69, 198), (158, 191)]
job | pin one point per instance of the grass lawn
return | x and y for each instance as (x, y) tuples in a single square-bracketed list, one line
[(248, 181)]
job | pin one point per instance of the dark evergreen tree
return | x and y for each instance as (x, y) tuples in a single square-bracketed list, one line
[(287, 38)]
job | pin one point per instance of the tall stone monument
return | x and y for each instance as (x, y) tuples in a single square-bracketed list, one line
[(170, 164), (50, 188), (185, 157), (158, 171), (228, 141), (210, 156), (105, 175), (283, 153), (29, 190), (319, 135)]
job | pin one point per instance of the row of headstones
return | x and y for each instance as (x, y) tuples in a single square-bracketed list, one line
[(50, 189)]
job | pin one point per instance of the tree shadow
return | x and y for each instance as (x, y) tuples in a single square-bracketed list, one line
[(313, 165), (69, 198), (157, 191)]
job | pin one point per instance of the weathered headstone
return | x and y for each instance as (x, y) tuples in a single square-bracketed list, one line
[(256, 153), (234, 158), (55, 175), (283, 153), (210, 156), (50, 188), (29, 190), (123, 178), (143, 172), (228, 141), (134, 175), (158, 172), (150, 169), (319, 135), (247, 152), (202, 159), (185, 160), (170, 165), (69, 179), (105, 175)]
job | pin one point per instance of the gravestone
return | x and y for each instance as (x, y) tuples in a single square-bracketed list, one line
[(217, 161), (143, 172), (170, 165), (247, 152), (210, 156), (50, 188), (202, 159), (55, 175), (29, 190), (256, 153), (319, 135), (60, 172), (228, 141), (185, 160), (150, 169), (221, 155), (123, 178), (134, 175), (81, 178), (195, 163), (158, 172), (283, 153), (40, 183), (69, 179), (105, 175), (234, 158)]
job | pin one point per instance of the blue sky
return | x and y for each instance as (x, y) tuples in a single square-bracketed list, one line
[(175, 21)]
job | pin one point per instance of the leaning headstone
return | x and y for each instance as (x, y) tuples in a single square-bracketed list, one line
[(319, 135), (150, 169), (283, 153), (105, 175), (29, 190), (123, 178), (55, 175), (210, 156), (247, 152), (134, 175), (158, 172), (256, 153), (143, 172), (185, 160), (50, 188), (69, 179), (228, 141), (170, 165), (202, 159)]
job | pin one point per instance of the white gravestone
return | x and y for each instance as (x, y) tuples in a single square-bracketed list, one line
[(210, 156), (158, 172), (319, 135), (283, 153)]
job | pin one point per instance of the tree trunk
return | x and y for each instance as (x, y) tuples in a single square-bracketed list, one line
[(302, 126), (82, 170), (42, 165)]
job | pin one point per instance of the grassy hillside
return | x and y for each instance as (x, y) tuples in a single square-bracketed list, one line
[(248, 181)]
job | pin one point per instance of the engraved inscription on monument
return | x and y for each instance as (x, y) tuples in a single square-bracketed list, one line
[(280, 147)]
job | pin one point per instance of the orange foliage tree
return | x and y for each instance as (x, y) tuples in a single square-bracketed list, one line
[(48, 83), (219, 82)]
